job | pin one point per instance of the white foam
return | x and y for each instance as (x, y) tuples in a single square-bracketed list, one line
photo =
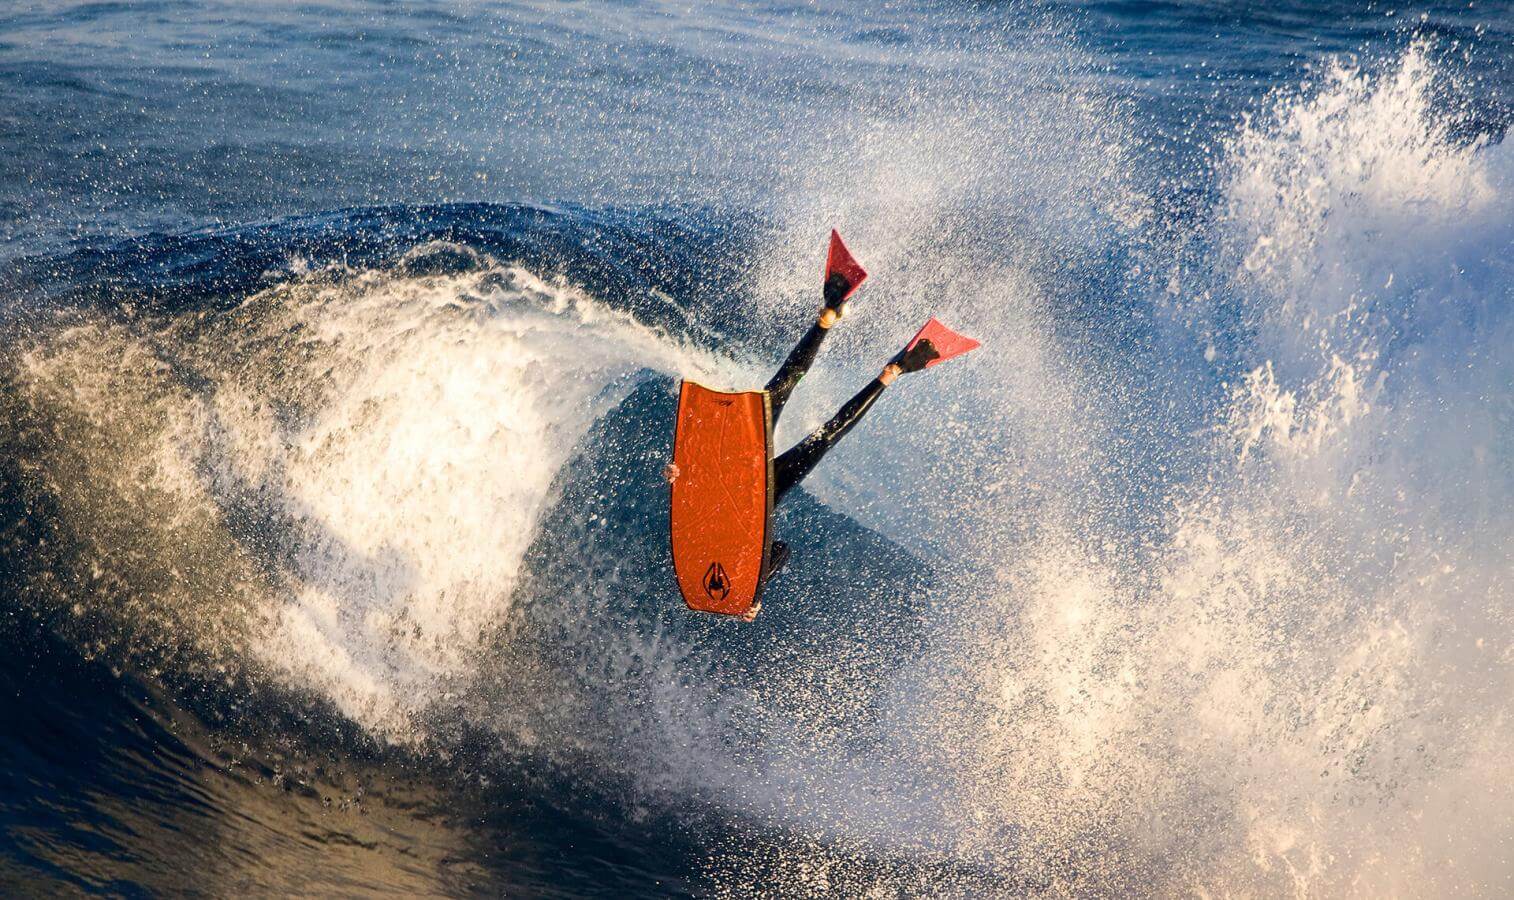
[(1300, 684), (408, 429)]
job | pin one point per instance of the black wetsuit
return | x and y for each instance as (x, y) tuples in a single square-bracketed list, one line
[(796, 462), (790, 468)]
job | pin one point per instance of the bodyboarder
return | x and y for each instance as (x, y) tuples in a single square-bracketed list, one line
[(843, 276)]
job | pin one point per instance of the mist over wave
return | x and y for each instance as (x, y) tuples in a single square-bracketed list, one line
[(1289, 678)]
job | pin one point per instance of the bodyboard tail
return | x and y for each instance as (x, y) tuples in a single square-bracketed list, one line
[(721, 510)]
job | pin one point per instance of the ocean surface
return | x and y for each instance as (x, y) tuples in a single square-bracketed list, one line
[(338, 349)]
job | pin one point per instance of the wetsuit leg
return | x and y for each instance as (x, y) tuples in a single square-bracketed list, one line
[(796, 462), (777, 558), (799, 362)]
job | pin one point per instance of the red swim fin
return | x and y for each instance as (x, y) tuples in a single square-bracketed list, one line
[(948, 343), (843, 274)]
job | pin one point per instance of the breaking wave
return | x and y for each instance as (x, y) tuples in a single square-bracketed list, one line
[(1197, 581)]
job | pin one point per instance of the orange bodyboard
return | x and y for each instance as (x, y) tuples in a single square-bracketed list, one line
[(722, 503)]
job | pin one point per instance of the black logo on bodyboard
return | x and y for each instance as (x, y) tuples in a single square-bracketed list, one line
[(717, 583)]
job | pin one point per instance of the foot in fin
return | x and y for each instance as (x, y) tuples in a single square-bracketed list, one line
[(843, 275), (932, 344), (917, 356)]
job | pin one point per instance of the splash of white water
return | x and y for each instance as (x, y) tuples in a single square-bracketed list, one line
[(1302, 685)]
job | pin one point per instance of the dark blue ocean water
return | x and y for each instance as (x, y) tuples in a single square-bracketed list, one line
[(338, 346)]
